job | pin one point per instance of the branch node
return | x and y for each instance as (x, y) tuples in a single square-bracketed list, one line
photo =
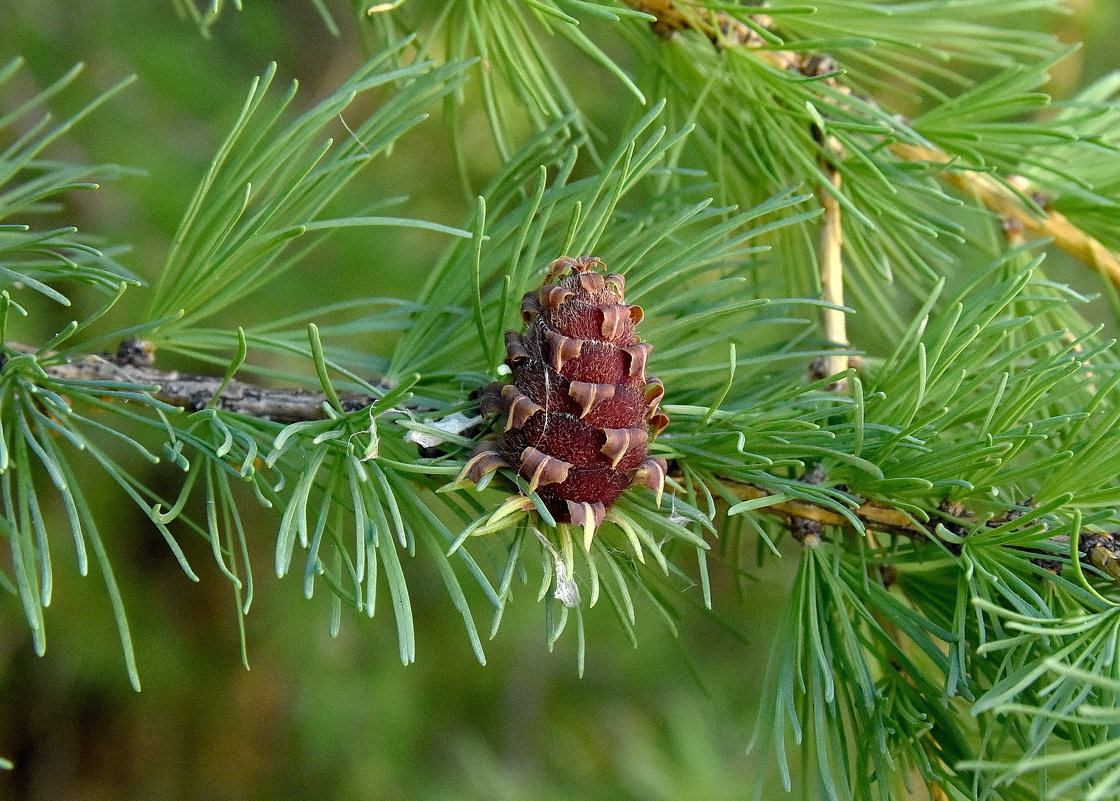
[(1103, 551), (807, 532), (133, 352), (815, 475)]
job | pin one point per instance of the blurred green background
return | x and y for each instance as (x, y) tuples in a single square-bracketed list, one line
[(316, 716)]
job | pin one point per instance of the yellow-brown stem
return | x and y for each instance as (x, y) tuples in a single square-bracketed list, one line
[(829, 258), (936, 793), (997, 197), (876, 516), (1102, 553)]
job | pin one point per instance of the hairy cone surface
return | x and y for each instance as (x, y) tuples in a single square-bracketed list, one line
[(580, 411)]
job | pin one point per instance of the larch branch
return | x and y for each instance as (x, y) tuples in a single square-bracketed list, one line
[(724, 30), (193, 392)]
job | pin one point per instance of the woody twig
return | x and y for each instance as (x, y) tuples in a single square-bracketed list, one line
[(133, 364)]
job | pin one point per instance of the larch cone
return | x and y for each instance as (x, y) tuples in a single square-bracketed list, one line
[(580, 411)]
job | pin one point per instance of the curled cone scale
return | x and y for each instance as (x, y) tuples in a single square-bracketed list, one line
[(578, 416)]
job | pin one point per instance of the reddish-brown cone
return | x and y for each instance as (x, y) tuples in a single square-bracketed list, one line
[(579, 415)]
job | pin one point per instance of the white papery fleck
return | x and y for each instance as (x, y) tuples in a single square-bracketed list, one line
[(452, 424), (567, 591)]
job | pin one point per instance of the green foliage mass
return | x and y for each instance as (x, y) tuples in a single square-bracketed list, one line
[(977, 659)]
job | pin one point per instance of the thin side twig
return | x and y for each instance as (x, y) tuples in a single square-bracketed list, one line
[(1101, 551)]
